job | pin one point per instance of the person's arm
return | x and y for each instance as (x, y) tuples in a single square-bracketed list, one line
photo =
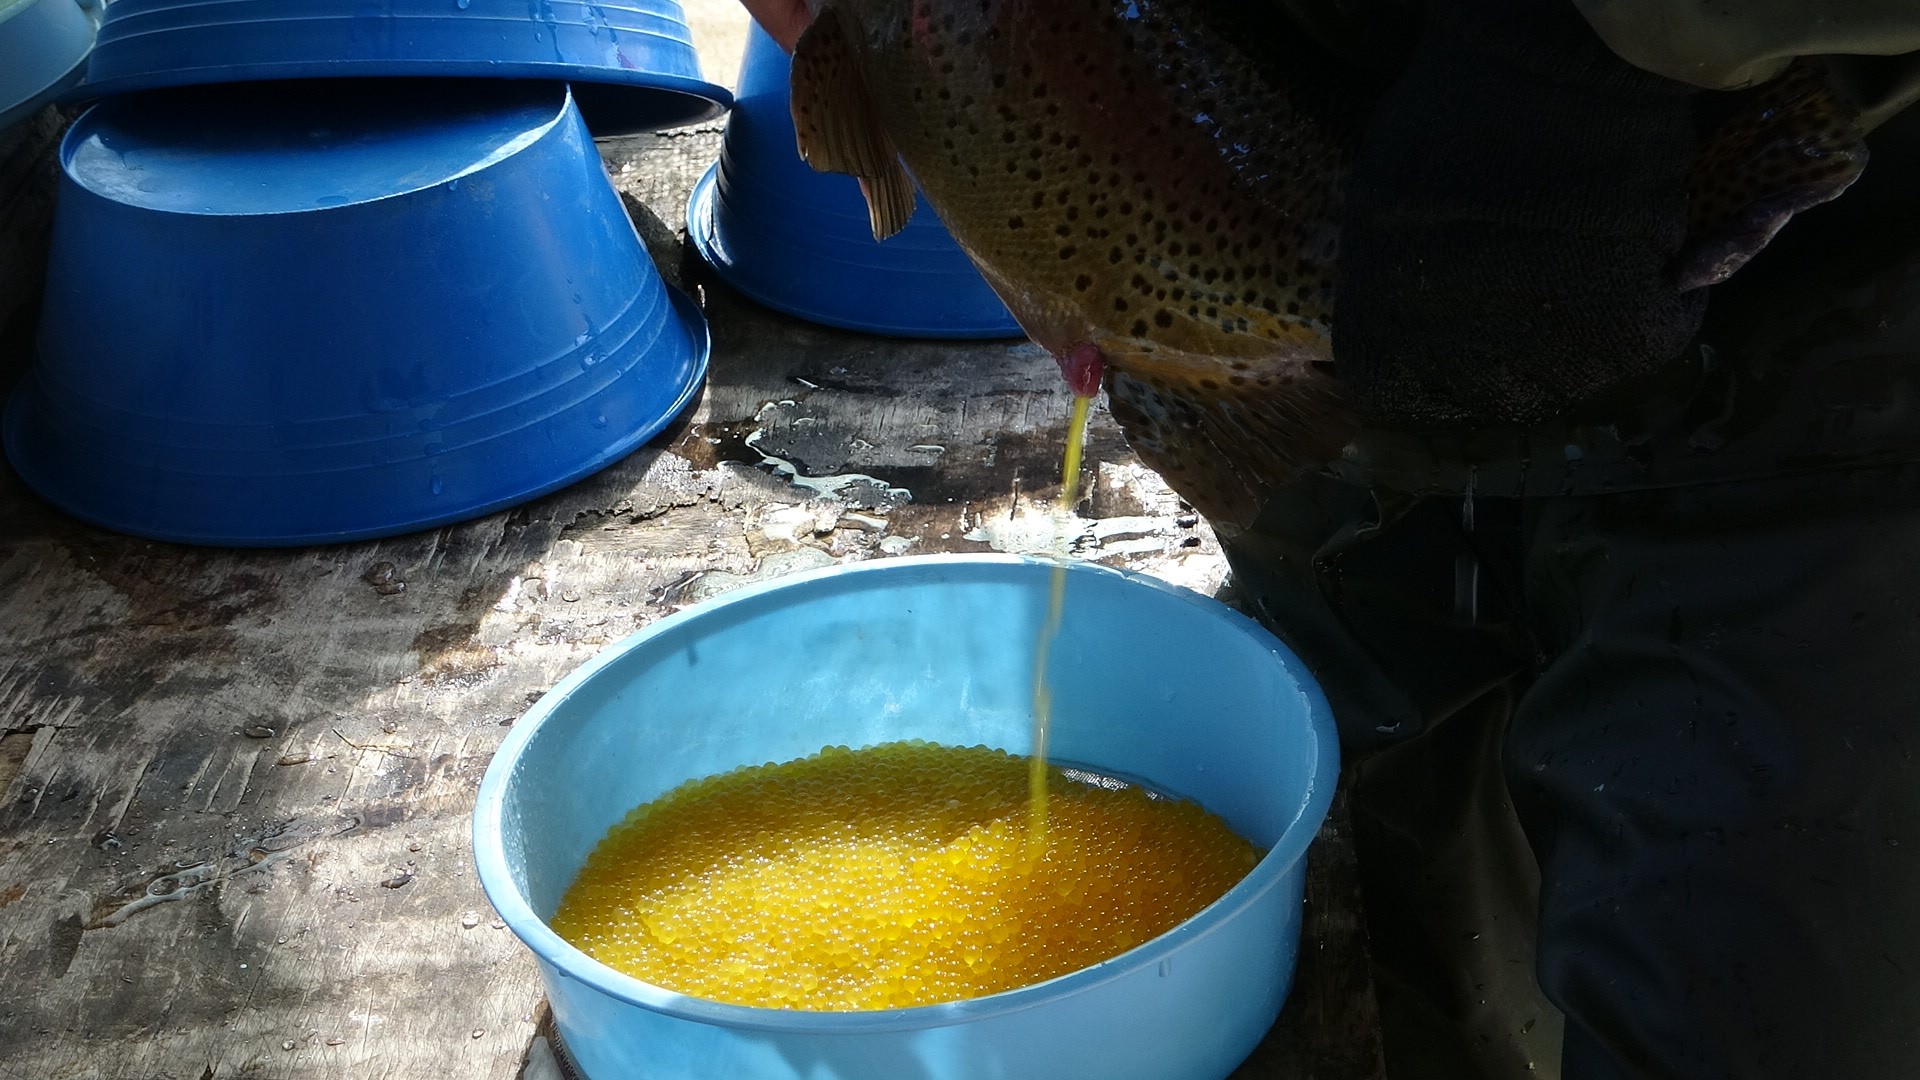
[(783, 20), (1524, 229)]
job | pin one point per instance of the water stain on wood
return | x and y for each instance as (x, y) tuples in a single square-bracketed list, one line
[(450, 650), (63, 943), (379, 816), (13, 754), (710, 444)]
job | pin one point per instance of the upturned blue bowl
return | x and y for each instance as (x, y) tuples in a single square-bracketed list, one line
[(358, 311), (1151, 682), (798, 241), (632, 62), (43, 52)]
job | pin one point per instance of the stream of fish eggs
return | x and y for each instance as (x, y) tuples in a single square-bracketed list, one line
[(902, 874), (1049, 630)]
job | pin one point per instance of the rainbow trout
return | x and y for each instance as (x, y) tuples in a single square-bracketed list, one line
[(1154, 189)]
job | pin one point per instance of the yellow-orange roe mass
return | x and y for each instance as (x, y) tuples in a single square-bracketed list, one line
[(897, 875)]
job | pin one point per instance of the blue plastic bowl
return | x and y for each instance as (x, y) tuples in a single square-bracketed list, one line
[(277, 320), (43, 52), (632, 61), (1151, 682), (798, 241)]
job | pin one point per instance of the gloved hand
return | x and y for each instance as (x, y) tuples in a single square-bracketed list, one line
[(1511, 223)]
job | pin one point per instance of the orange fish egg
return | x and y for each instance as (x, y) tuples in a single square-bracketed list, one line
[(899, 875)]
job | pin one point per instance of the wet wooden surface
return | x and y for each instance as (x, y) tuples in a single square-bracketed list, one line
[(237, 784)]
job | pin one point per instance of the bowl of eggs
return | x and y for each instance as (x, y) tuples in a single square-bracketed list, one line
[(925, 818)]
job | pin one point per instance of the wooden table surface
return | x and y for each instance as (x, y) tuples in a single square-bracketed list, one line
[(237, 784)]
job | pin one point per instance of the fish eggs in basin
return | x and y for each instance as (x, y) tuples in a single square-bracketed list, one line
[(899, 875)]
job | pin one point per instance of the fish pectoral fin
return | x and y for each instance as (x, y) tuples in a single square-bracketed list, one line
[(1224, 445), (837, 127), (1794, 143)]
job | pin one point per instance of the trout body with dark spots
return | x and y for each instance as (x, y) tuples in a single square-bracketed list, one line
[(1142, 195), (1152, 187)]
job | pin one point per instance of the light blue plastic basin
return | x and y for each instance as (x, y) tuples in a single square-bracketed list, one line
[(1152, 682)]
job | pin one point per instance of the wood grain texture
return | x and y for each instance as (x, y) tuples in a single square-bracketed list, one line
[(235, 786)]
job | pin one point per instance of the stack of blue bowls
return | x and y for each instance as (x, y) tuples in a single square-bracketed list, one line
[(327, 272)]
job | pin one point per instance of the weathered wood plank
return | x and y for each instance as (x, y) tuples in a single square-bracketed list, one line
[(242, 820), (235, 786)]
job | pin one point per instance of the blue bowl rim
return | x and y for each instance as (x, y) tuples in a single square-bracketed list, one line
[(95, 111), (20, 110), (700, 213), (684, 309), (490, 859), (697, 101)]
